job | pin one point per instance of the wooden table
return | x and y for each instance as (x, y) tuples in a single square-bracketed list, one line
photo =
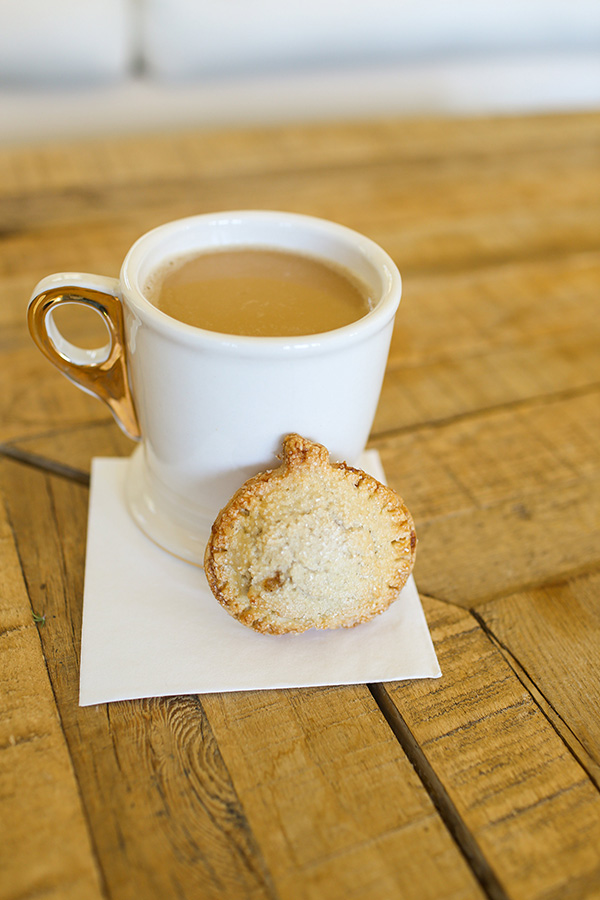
[(484, 783)]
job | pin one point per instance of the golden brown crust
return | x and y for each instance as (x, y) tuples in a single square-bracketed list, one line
[(311, 544)]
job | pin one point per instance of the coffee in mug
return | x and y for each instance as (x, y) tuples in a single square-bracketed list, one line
[(258, 291), (209, 408)]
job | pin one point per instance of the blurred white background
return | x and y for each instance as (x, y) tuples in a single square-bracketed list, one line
[(87, 67)]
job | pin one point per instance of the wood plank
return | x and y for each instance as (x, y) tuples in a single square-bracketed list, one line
[(466, 342), (289, 794), (503, 500), (417, 177), (495, 757), (339, 810), (38, 399), (551, 637), (210, 152), (395, 198), (46, 846), (534, 334), (497, 243), (489, 427), (70, 451), (424, 248), (158, 798)]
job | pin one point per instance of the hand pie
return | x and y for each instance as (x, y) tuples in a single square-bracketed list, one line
[(311, 544)]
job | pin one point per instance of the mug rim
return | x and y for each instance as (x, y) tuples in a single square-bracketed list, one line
[(372, 322)]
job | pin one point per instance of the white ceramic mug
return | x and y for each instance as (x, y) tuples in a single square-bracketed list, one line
[(210, 409)]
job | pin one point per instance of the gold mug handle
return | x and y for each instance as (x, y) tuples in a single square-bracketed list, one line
[(100, 372)]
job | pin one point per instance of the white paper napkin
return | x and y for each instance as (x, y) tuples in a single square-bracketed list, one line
[(151, 626)]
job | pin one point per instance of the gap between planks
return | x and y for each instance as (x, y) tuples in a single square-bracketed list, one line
[(557, 722), (461, 835), (522, 403), (429, 779), (457, 828), (52, 467), (12, 451)]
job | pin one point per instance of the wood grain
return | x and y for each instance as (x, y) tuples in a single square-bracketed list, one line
[(288, 793), (494, 227), (493, 337), (530, 807), (161, 806), (503, 500), (551, 636), (482, 784), (144, 158), (47, 849), (339, 810)]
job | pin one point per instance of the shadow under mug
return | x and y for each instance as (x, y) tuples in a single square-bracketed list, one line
[(209, 410)]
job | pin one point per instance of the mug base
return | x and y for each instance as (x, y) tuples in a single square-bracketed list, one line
[(186, 542)]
